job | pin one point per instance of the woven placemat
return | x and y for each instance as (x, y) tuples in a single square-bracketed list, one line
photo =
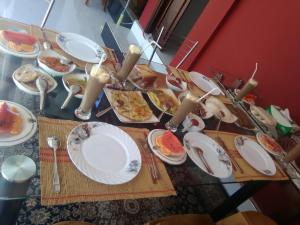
[(249, 173), (75, 187)]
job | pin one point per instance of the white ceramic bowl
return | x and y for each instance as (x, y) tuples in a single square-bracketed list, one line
[(50, 53), (79, 76), (187, 123), (175, 88)]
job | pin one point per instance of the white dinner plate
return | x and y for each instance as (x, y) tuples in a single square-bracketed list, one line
[(212, 152), (204, 83), (80, 47), (29, 127), (255, 155), (104, 153), (33, 54), (50, 53), (178, 160), (22, 86)]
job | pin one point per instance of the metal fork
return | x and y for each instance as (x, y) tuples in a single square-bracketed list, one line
[(151, 165), (200, 154)]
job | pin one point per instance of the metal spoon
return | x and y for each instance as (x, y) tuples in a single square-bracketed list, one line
[(46, 43), (54, 143), (66, 61), (74, 89), (42, 86)]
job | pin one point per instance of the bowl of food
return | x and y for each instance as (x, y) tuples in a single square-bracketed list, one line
[(193, 123), (75, 79), (55, 64), (175, 83)]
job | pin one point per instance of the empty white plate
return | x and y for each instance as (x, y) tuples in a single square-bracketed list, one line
[(104, 153), (80, 47), (204, 83), (212, 153), (255, 155)]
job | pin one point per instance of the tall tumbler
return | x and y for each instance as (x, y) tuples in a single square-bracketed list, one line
[(98, 78), (131, 58), (249, 86), (188, 104)]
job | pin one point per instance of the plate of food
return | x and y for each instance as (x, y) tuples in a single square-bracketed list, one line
[(204, 83), (243, 120), (25, 78), (143, 77), (51, 62), (164, 99), (255, 155), (75, 79), (263, 116), (219, 109), (17, 123), (19, 44), (80, 47), (104, 153), (166, 146), (207, 154), (269, 144), (175, 83), (130, 106)]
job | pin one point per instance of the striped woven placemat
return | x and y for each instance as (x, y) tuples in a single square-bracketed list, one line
[(75, 187), (249, 173)]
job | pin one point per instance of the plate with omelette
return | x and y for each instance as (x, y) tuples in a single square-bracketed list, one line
[(166, 146), (19, 44), (17, 123), (130, 106)]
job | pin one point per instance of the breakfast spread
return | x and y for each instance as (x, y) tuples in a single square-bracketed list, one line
[(143, 76), (169, 145), (131, 105), (164, 100), (11, 121), (18, 42), (55, 64)]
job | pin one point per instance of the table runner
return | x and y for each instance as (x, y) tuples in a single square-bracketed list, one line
[(184, 75), (75, 187), (249, 173)]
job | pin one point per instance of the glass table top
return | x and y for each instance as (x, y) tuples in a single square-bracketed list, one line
[(184, 175)]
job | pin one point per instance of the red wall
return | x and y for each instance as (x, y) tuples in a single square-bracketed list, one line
[(148, 12), (264, 31)]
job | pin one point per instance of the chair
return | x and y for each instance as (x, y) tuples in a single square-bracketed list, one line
[(72, 223), (243, 218)]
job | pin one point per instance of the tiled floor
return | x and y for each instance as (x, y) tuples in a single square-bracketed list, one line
[(67, 16), (70, 16)]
